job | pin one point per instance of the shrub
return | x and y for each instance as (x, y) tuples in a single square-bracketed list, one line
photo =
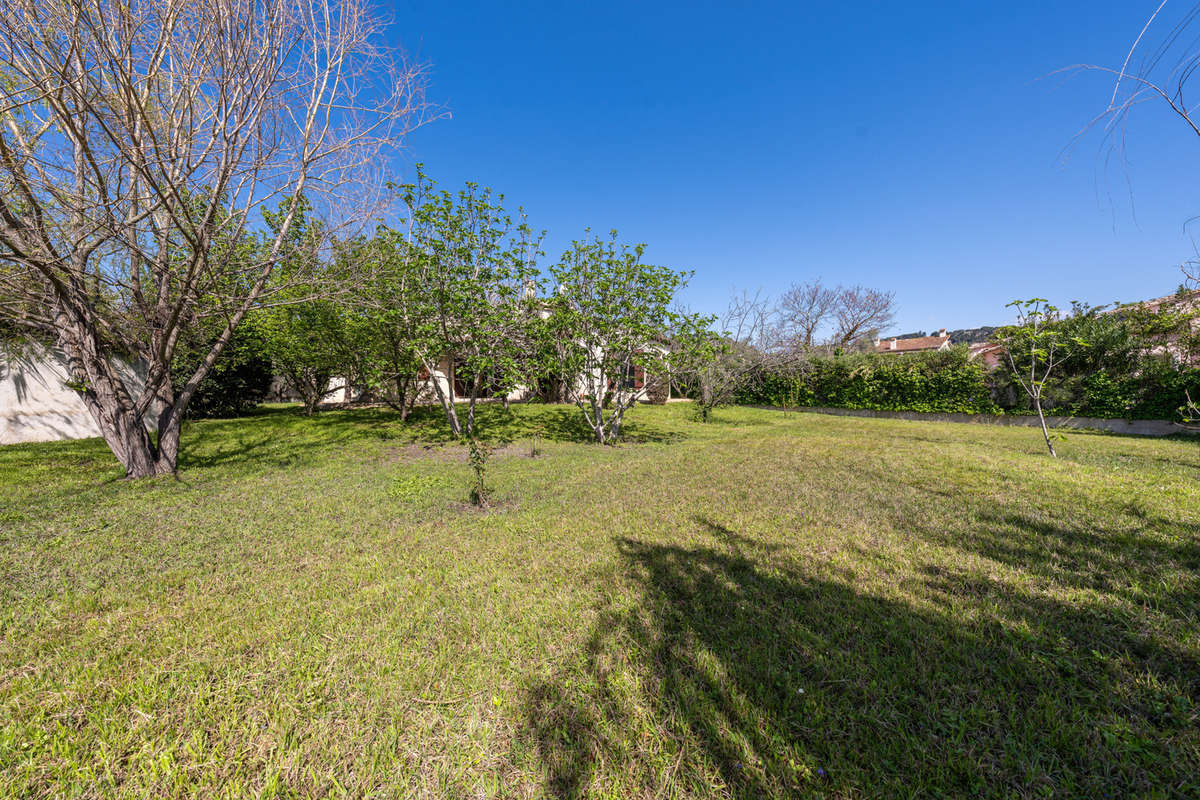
[(943, 381), (238, 381)]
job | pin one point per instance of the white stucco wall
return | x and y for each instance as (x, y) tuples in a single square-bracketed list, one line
[(36, 406)]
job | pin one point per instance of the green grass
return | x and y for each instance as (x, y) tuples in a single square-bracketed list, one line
[(767, 606)]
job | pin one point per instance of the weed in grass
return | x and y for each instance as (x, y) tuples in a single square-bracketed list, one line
[(409, 487)]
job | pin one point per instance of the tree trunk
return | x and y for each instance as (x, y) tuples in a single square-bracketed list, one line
[(1037, 403), (126, 435), (615, 420), (445, 397), (107, 400), (475, 387)]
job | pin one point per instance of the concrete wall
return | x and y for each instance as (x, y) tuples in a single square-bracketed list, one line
[(1135, 427), (37, 406)]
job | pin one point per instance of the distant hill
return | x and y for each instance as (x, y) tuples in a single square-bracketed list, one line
[(973, 335)]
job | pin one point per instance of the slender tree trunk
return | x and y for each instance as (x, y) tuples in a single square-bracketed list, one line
[(445, 396), (615, 419), (592, 416), (1037, 403), (476, 390)]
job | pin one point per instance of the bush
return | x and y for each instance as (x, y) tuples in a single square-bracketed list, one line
[(238, 381), (947, 382), (1156, 391), (944, 381)]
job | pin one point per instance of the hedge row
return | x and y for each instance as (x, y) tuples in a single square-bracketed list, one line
[(943, 381), (949, 382)]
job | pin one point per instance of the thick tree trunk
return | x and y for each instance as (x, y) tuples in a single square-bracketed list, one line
[(107, 400)]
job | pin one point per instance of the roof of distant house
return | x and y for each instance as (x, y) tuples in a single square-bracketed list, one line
[(913, 344)]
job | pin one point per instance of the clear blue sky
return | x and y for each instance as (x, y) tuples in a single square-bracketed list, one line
[(909, 146)]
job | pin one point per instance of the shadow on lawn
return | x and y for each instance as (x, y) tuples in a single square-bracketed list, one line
[(281, 437), (729, 677)]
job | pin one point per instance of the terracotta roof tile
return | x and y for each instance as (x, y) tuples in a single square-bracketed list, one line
[(910, 345)]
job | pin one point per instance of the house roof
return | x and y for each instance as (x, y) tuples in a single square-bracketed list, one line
[(911, 345)]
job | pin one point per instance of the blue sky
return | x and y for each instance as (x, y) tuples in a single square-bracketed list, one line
[(915, 147)]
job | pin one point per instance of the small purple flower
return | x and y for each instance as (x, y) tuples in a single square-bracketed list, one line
[(821, 773)]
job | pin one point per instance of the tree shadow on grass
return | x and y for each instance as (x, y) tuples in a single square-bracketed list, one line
[(284, 436), (733, 674), (278, 437), (1126, 553), (554, 423)]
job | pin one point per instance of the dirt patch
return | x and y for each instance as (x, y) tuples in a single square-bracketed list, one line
[(425, 452)]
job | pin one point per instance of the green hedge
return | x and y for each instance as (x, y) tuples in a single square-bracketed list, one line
[(943, 381), (948, 382), (1157, 391)]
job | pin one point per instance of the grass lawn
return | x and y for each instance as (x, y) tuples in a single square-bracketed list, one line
[(767, 606)]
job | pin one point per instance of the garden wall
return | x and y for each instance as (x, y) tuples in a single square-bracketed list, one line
[(37, 406)]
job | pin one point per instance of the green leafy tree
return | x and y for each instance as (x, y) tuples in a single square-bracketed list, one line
[(467, 282), (304, 343), (387, 317), (611, 314), (238, 381), (698, 355), (1035, 348), (303, 333)]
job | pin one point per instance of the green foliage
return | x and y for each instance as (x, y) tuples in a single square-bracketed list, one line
[(238, 381), (944, 381), (462, 288), (609, 315), (1122, 373), (303, 331), (708, 365)]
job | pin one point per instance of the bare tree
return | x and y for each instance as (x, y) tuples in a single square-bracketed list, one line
[(139, 142), (712, 365), (811, 315), (1157, 69), (806, 309), (861, 313)]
